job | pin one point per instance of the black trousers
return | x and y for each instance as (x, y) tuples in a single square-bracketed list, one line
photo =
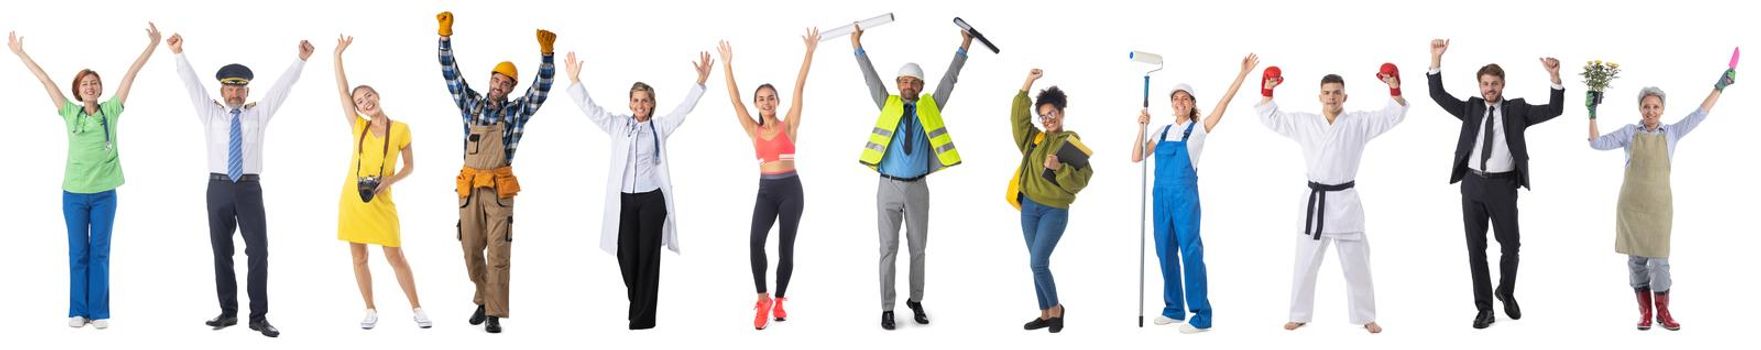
[(239, 205), (1491, 198), (779, 200), (640, 222)]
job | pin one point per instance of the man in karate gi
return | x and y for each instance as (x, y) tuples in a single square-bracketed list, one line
[(1332, 147)]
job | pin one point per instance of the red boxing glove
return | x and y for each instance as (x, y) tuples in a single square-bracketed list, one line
[(1272, 73), (1389, 70)]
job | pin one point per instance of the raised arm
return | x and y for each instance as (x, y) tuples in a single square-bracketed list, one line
[(666, 124), (539, 90), (945, 88), (1434, 78), (876, 89), (277, 94), (128, 79), (449, 67), (1692, 121), (1555, 95), (17, 46), (740, 112), (1021, 113), (1272, 117), (596, 114), (1247, 65), (198, 95), (811, 41), (342, 82)]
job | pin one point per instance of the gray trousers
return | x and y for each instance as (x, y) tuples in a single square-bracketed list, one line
[(908, 203), (1648, 272)]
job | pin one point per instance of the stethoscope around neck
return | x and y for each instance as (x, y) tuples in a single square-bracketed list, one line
[(631, 133), (104, 123)]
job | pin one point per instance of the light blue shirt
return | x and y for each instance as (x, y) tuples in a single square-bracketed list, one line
[(1623, 138), (897, 163)]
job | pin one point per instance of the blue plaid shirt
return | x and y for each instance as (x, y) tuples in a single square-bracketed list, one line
[(476, 111)]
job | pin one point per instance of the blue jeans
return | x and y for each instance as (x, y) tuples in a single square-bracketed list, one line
[(1042, 226), (89, 220)]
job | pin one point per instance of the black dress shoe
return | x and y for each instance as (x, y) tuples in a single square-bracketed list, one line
[(1036, 323), (264, 327), (1483, 319), (477, 317), (493, 326), (222, 321), (917, 312), (1510, 308), (887, 320)]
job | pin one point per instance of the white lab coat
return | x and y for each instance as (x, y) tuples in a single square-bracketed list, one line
[(615, 127), (1332, 154)]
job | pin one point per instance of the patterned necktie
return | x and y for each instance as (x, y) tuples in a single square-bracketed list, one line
[(1486, 143), (235, 150)]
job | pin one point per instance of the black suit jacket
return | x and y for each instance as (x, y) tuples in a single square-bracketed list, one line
[(1518, 116)]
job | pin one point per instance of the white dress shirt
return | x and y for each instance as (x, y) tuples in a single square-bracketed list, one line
[(1332, 153), (639, 174), (216, 116), (622, 128), (1501, 160)]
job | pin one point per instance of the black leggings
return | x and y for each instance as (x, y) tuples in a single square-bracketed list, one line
[(779, 199)]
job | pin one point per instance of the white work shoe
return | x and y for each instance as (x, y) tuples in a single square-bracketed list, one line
[(76, 321), (422, 319), (1165, 320), (371, 320), (1189, 329), (101, 324)]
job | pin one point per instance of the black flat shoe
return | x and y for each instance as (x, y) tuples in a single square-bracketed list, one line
[(1036, 323), (917, 312), (493, 325), (1056, 324), (264, 327), (1510, 307), (887, 320), (477, 317), (1483, 319), (222, 321)]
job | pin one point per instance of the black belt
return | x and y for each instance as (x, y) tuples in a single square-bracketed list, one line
[(902, 179), (1318, 205), (1486, 175), (223, 177)]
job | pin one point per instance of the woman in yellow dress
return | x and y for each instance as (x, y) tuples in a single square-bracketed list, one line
[(366, 214)]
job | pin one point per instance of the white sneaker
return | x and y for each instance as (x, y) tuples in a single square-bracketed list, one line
[(371, 320), (1164, 320), (422, 319), (76, 321), (1189, 329), (101, 324)]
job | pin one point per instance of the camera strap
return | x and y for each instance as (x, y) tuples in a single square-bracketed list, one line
[(362, 142)]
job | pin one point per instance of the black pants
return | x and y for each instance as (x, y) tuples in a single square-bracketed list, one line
[(779, 200), (239, 205), (639, 232), (1491, 198)]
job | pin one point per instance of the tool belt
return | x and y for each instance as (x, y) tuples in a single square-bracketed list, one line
[(501, 179)]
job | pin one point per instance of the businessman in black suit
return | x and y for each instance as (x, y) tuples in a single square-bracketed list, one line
[(1491, 162)]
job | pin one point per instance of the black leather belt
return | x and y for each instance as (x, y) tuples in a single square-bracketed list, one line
[(223, 177)]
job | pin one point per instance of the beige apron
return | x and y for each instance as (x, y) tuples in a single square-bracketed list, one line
[(1646, 210), (486, 219)]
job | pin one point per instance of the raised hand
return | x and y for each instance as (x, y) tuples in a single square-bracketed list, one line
[(574, 68), (546, 42), (445, 19), (811, 40), (1032, 75), (152, 34), (1248, 63), (343, 42), (306, 50), (855, 35), (1727, 79), (726, 51), (1438, 46), (1552, 66), (15, 43), (175, 43), (702, 66)]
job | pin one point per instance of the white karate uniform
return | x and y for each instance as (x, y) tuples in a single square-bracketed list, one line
[(1332, 154)]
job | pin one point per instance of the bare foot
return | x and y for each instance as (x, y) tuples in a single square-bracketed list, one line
[(1291, 326), (1373, 328)]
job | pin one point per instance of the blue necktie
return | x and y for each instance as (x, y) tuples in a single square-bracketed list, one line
[(235, 150)]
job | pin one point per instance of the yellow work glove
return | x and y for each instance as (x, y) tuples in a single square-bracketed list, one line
[(546, 41), (445, 19)]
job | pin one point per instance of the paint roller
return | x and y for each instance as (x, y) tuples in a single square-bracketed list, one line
[(1150, 63), (866, 24), (975, 35)]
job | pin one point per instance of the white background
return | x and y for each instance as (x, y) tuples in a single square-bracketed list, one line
[(566, 291)]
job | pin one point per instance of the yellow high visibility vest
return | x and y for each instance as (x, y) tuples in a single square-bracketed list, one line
[(928, 115)]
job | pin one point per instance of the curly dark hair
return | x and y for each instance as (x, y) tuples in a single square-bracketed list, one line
[(1052, 96)]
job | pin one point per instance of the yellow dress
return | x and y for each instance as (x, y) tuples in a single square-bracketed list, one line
[(372, 222)]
